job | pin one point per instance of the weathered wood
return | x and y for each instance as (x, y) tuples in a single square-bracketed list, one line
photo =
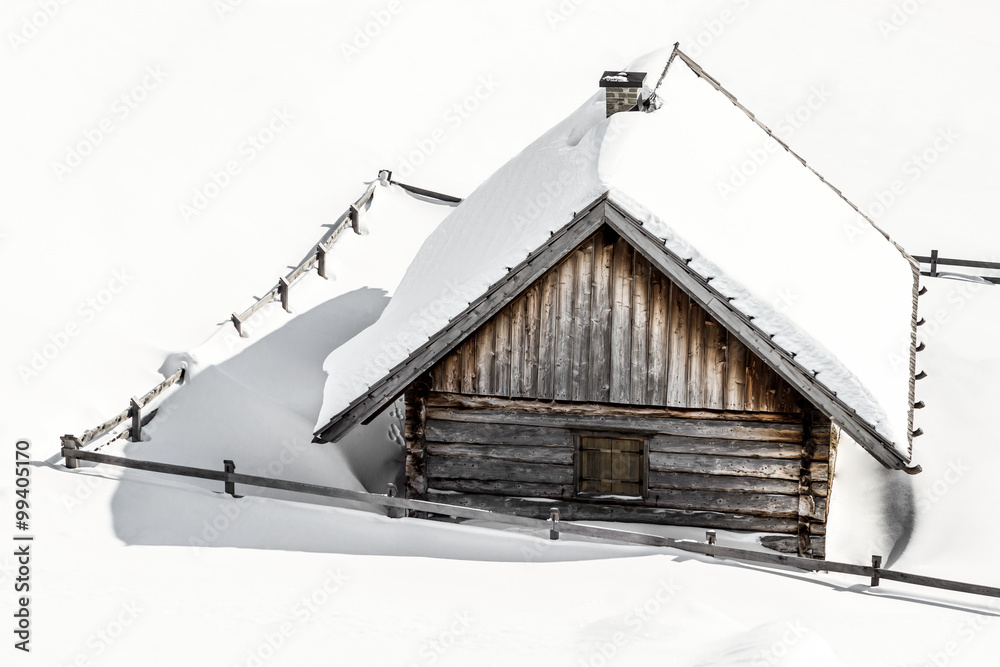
[(452, 377), (415, 418), (599, 382), (549, 305), (657, 367), (527, 453), (696, 356), (639, 364), (518, 345), (582, 323), (790, 544), (532, 304), (491, 403), (621, 322), (580, 510), (729, 483), (727, 447), (503, 488), (715, 365), (736, 373), (501, 354), (450, 467), (759, 504), (725, 465), (437, 430), (563, 360), (680, 304), (485, 340), (468, 356)]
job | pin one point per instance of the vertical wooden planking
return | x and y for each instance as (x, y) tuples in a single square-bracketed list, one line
[(621, 322), (438, 379), (755, 368), (563, 374), (736, 373), (678, 352), (640, 329), (501, 354), (715, 365), (656, 382), (599, 383), (548, 306), (696, 356), (453, 371), (485, 338), (518, 340), (582, 320), (532, 316), (469, 366)]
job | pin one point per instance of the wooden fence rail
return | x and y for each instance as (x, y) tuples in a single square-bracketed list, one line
[(73, 454), (935, 261), (134, 411)]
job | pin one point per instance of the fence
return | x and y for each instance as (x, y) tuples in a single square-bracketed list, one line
[(351, 217), (934, 261), (73, 454)]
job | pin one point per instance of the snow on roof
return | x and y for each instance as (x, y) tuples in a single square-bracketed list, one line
[(785, 248)]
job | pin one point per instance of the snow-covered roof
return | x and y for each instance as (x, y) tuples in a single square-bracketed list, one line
[(786, 250)]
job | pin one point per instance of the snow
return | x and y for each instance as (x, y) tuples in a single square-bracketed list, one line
[(787, 252), (115, 580)]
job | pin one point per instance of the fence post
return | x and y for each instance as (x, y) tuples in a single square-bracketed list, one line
[(135, 411), (391, 492), (70, 442), (876, 564), (229, 467), (238, 323), (554, 518), (283, 293), (355, 213), (934, 259), (321, 261)]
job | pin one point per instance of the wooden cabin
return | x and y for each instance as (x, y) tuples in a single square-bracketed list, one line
[(608, 375)]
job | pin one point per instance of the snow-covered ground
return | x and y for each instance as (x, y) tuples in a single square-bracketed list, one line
[(164, 165)]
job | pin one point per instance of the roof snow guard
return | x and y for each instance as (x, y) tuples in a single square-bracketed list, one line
[(764, 262)]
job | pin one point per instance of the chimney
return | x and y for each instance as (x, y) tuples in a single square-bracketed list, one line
[(622, 90)]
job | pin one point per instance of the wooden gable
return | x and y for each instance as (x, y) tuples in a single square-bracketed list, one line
[(605, 326)]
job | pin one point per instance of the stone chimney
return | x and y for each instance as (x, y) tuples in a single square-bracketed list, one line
[(622, 90)]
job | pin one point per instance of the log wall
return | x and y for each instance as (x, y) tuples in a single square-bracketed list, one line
[(605, 326), (755, 471)]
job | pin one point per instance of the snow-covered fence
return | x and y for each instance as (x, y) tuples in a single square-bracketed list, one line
[(934, 262), (135, 411), (393, 505)]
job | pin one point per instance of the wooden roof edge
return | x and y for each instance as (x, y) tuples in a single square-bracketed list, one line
[(779, 359), (498, 295)]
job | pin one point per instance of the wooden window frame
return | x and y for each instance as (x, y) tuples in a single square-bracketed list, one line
[(590, 495)]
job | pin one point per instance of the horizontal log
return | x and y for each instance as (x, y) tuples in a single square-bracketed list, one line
[(697, 428), (495, 434), (749, 448), (518, 453), (580, 510), (703, 482), (450, 467), (790, 544), (504, 488), (759, 504), (732, 465), (451, 400)]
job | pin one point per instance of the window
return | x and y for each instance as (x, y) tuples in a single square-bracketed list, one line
[(612, 466)]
